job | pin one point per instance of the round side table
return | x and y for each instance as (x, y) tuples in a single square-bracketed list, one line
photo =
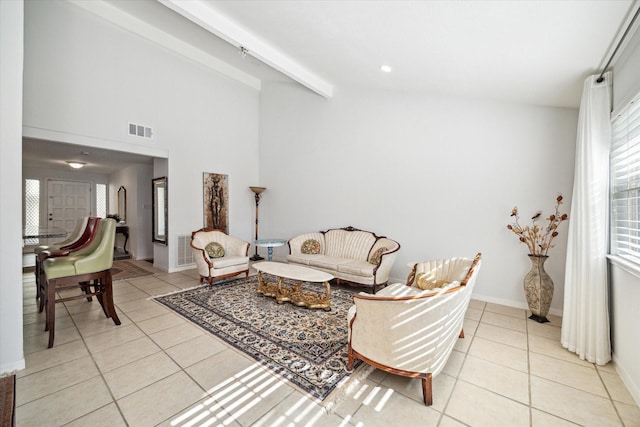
[(270, 244)]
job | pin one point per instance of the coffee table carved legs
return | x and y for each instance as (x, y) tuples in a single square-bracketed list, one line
[(294, 294)]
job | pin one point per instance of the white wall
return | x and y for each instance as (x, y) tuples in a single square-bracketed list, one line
[(137, 183), (438, 174), (85, 77), (11, 51), (143, 210), (625, 302)]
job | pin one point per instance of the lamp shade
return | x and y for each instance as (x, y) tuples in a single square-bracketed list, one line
[(257, 190)]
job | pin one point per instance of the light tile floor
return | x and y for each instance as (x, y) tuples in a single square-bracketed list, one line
[(157, 369)]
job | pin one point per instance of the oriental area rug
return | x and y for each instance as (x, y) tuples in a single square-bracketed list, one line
[(308, 347)]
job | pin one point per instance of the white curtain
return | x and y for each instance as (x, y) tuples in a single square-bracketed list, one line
[(585, 322)]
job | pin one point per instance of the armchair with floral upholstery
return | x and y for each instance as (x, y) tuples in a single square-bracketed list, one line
[(410, 329), (218, 255)]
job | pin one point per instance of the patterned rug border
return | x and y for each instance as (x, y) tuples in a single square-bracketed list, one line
[(329, 396)]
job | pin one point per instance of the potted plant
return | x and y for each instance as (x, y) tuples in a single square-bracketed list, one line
[(538, 286)]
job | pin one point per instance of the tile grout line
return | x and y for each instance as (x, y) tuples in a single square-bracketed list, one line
[(440, 420), (207, 394), (90, 355), (606, 389), (526, 328), (161, 350), (457, 377), (100, 373)]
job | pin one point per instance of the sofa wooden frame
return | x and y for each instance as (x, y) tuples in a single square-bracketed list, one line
[(375, 285)]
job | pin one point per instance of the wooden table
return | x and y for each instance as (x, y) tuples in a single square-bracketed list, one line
[(124, 230), (33, 232), (293, 294), (30, 232)]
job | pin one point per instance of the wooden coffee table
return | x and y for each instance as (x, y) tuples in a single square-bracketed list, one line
[(293, 294)]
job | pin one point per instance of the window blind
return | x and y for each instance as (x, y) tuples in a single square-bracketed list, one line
[(625, 183)]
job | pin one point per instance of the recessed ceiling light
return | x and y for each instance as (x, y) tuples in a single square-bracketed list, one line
[(386, 68)]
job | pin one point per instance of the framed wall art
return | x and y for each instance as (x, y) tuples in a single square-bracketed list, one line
[(216, 201)]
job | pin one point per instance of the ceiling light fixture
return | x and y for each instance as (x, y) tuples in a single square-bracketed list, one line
[(385, 68), (76, 165)]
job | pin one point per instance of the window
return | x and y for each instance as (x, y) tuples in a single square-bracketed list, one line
[(32, 207), (101, 200), (625, 183)]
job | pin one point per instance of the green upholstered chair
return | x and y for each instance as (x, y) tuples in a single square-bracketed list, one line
[(83, 241), (87, 269), (72, 238)]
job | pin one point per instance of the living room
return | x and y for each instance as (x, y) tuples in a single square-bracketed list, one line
[(438, 172)]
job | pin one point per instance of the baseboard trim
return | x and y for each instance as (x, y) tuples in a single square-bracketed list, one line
[(634, 389), (510, 303)]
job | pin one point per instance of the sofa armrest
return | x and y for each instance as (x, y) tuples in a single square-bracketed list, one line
[(388, 257), (201, 258), (236, 247)]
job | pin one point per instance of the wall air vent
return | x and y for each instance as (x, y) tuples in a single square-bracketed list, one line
[(185, 254), (140, 130)]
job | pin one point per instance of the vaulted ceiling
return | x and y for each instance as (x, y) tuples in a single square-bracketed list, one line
[(535, 52)]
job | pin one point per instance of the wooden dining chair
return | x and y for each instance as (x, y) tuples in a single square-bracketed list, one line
[(72, 238), (85, 241), (88, 270)]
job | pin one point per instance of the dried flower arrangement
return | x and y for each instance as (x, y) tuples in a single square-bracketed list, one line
[(537, 238)]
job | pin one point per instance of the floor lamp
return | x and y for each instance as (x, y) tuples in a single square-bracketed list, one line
[(257, 191)]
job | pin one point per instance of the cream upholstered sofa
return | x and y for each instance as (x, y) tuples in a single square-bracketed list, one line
[(349, 254), (409, 331), (226, 259)]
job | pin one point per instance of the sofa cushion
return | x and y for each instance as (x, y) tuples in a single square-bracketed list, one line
[(214, 250), (300, 258), (357, 268), (228, 261), (398, 290), (310, 247), (375, 257), (426, 281)]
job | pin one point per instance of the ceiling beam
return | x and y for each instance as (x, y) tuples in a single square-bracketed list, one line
[(203, 14), (143, 29)]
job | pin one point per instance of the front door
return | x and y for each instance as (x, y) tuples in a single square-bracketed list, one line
[(68, 201)]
